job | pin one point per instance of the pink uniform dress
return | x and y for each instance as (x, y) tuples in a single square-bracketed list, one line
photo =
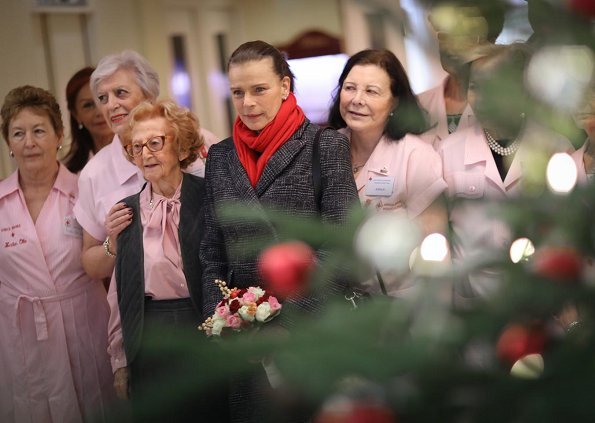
[(404, 177), (53, 318), (164, 273), (471, 174), (432, 101), (110, 177)]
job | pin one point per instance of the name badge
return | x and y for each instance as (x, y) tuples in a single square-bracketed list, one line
[(71, 227), (380, 187)]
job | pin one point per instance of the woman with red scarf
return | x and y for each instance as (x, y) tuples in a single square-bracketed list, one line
[(267, 164)]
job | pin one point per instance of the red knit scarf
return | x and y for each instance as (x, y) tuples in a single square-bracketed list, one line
[(256, 148)]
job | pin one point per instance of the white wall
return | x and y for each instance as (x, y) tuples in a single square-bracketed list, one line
[(22, 56)]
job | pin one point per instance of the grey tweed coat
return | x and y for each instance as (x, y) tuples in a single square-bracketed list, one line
[(286, 184), (227, 248)]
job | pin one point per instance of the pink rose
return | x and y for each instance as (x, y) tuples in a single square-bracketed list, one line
[(249, 297), (274, 303), (222, 311), (234, 321)]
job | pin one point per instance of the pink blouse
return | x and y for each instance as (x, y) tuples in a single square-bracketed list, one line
[(164, 273)]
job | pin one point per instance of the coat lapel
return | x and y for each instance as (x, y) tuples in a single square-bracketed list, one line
[(190, 234), (240, 179)]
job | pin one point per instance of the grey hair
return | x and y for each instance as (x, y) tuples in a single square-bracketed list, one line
[(146, 77)]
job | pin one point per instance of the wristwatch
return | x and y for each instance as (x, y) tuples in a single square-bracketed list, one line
[(106, 248)]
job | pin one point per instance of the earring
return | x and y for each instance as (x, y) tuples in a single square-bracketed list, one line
[(10, 153), (60, 147), (81, 126), (391, 114)]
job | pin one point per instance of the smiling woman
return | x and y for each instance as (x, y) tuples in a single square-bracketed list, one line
[(394, 169), (88, 129), (119, 83)]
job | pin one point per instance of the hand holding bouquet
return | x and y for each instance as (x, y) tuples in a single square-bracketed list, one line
[(241, 309)]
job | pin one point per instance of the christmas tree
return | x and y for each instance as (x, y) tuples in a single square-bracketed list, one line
[(508, 357)]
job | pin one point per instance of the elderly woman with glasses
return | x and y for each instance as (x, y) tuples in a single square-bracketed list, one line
[(156, 283)]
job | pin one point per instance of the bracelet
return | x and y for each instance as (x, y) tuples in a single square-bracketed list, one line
[(106, 246)]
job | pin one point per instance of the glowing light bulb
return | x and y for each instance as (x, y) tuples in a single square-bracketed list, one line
[(386, 240), (521, 249), (528, 367), (434, 247), (561, 173), (560, 75)]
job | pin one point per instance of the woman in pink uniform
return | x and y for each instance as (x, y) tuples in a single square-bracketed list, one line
[(487, 162), (53, 317), (395, 170), (119, 83)]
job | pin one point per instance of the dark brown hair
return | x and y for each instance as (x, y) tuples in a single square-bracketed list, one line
[(407, 117), (82, 141), (258, 50)]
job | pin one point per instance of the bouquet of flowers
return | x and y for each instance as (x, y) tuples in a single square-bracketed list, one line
[(241, 309)]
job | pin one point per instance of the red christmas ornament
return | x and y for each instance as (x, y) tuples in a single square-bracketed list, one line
[(357, 412), (584, 8), (286, 267), (517, 341), (561, 263)]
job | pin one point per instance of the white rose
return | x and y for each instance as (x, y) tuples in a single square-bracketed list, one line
[(243, 312), (218, 325), (263, 312)]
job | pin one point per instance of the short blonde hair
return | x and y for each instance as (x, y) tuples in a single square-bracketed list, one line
[(183, 122)]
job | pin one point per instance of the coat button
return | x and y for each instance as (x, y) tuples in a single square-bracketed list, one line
[(472, 188)]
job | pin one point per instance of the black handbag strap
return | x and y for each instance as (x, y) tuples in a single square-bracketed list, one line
[(317, 180), (316, 171)]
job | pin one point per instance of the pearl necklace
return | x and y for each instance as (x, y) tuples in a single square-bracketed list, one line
[(498, 149)]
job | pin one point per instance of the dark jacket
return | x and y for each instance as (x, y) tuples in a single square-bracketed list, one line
[(130, 269), (286, 184)]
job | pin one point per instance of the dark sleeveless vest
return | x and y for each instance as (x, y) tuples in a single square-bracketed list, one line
[(130, 269)]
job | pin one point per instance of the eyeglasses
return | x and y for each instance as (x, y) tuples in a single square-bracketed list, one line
[(154, 144)]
